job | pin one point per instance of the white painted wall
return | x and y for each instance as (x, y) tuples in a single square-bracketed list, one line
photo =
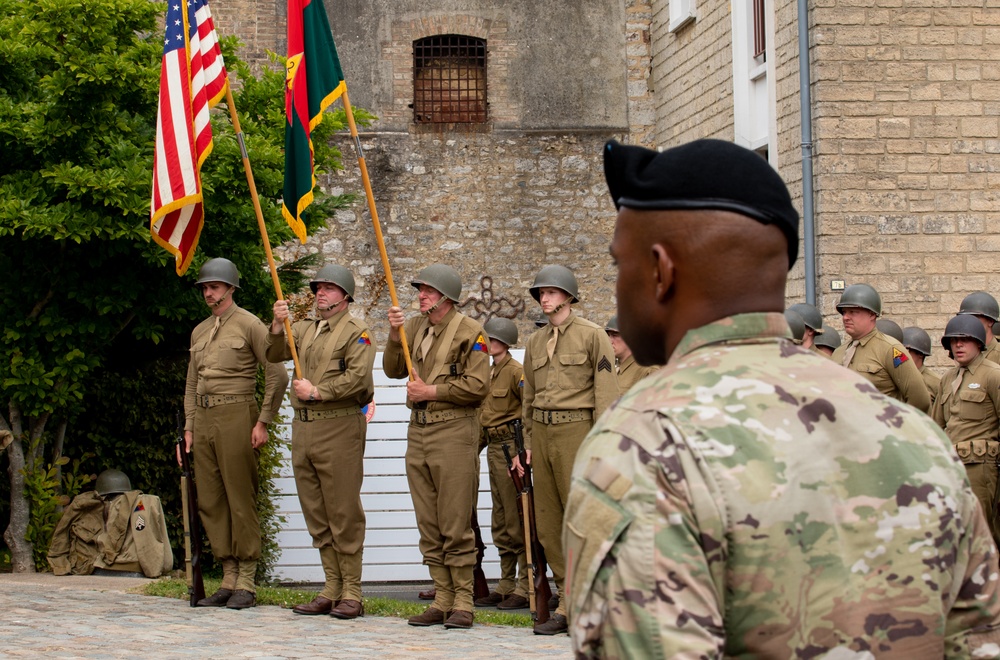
[(391, 553)]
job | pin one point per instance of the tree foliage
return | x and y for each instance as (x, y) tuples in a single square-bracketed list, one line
[(86, 292)]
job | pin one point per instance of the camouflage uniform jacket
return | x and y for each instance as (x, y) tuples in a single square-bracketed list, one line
[(753, 500)]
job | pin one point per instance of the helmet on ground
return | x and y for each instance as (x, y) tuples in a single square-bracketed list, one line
[(829, 338), (442, 278), (964, 326), (796, 324), (917, 339), (612, 325), (334, 274), (110, 482), (861, 295), (558, 277), (503, 330), (219, 270), (810, 315), (891, 328), (980, 303)]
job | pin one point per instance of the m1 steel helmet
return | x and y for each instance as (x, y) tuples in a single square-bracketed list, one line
[(810, 316), (334, 274), (917, 339), (558, 277), (980, 303), (612, 325), (503, 330), (964, 326), (442, 278), (796, 324), (219, 270), (829, 338), (861, 295), (111, 482), (891, 328)]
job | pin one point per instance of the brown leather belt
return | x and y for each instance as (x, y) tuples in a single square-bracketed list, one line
[(308, 415), (212, 400), (561, 416), (500, 432), (432, 416)]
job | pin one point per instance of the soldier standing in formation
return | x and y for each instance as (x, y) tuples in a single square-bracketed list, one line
[(501, 408), (733, 503), (827, 341), (879, 358), (450, 359), (629, 371), (569, 380), (918, 343), (796, 325), (813, 321), (226, 429), (968, 409), (328, 433), (984, 307)]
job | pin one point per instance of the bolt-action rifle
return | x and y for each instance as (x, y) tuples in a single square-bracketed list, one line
[(539, 591), (192, 524), (480, 587)]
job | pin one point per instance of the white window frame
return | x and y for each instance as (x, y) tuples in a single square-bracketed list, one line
[(681, 13), (755, 124)]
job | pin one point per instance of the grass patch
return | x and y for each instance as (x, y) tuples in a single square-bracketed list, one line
[(288, 597)]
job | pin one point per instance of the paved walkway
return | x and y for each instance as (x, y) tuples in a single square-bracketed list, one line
[(42, 615)]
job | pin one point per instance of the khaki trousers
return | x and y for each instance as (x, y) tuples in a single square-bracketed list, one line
[(508, 535), (553, 450), (225, 467)]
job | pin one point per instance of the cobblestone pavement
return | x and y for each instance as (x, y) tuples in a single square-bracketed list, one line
[(42, 615)]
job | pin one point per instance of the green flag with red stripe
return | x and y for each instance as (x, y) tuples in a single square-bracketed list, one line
[(313, 81)]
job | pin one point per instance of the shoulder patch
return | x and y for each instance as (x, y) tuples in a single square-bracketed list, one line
[(364, 338), (898, 357), (520, 383), (604, 364), (481, 344)]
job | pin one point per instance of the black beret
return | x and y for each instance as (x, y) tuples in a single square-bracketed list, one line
[(704, 174)]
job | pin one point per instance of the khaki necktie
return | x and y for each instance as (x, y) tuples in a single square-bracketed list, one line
[(426, 342), (849, 353), (215, 328), (957, 383), (319, 328), (550, 345)]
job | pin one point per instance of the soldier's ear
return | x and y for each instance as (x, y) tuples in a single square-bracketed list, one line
[(663, 272)]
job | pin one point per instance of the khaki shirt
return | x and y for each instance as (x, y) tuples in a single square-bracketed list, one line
[(581, 375), (887, 365), (342, 374), (931, 380), (992, 352), (631, 372), (503, 403), (973, 413), (226, 363), (465, 380)]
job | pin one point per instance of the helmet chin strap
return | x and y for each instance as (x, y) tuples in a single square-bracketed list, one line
[(223, 298), (558, 308), (433, 307), (334, 305)]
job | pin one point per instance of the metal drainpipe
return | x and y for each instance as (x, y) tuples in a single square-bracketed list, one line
[(805, 111)]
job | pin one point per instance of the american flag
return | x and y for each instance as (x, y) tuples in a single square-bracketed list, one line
[(192, 80)]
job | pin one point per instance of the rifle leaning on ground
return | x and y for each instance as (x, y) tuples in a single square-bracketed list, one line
[(539, 591), (192, 524), (480, 587)]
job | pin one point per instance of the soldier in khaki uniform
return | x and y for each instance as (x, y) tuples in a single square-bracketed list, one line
[(968, 409), (569, 380), (226, 429), (827, 341), (985, 308), (328, 433), (876, 356), (450, 359), (500, 409), (813, 321), (918, 343), (796, 325), (629, 371)]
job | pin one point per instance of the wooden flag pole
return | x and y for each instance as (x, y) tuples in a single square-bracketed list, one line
[(378, 227), (260, 222)]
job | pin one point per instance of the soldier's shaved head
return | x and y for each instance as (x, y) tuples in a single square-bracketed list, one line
[(682, 269)]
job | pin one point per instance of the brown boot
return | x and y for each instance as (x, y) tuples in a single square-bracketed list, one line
[(555, 625), (459, 619), (241, 600), (430, 594), (513, 602), (432, 616), (319, 605), (218, 599), (489, 601), (348, 609)]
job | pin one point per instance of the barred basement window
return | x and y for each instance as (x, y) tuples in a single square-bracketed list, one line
[(449, 80)]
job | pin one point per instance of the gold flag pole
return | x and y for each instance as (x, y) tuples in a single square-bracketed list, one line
[(378, 227), (260, 223)]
